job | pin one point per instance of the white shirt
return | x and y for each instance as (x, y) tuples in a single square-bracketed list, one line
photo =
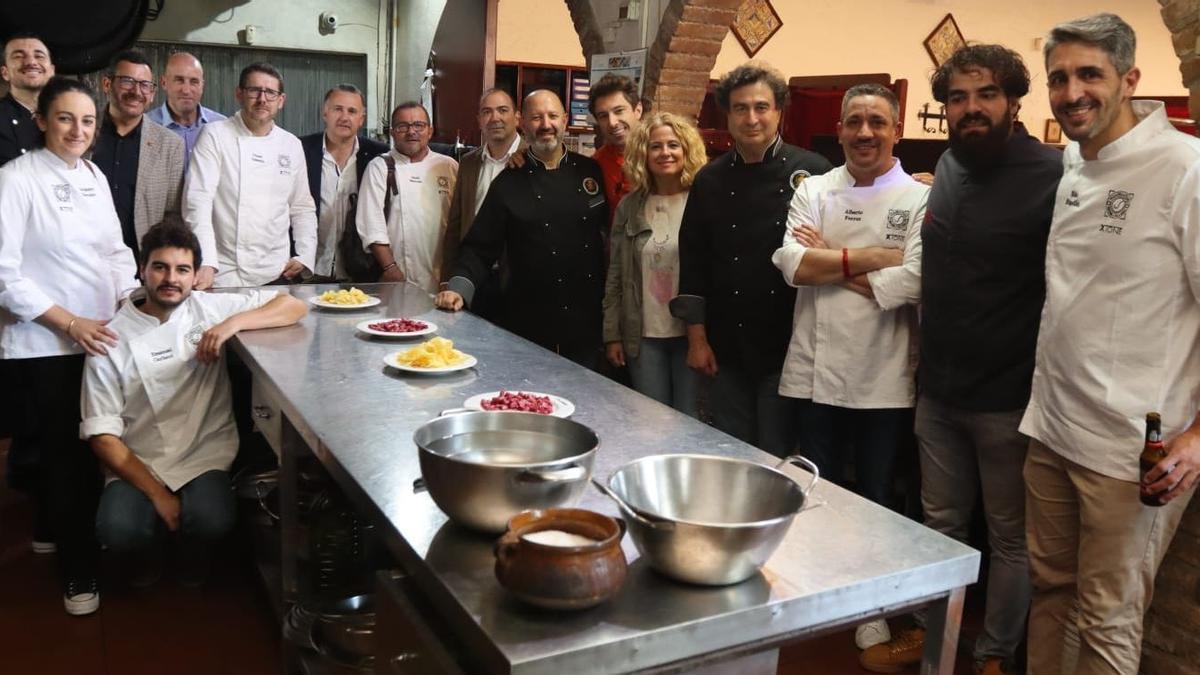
[(172, 411), (848, 350), (417, 220), (243, 193), (337, 185), (660, 265), (490, 168), (60, 244), (1120, 330)]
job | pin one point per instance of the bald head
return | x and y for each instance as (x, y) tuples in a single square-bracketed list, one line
[(183, 82), (544, 121)]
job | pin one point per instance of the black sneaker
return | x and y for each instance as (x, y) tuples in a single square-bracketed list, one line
[(81, 596)]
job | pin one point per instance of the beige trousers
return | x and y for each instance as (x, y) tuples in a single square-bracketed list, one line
[(1093, 552)]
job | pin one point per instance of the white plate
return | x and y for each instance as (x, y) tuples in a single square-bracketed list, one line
[(390, 362), (316, 301), (365, 327), (562, 407)]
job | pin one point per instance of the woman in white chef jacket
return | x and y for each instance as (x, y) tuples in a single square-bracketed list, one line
[(661, 159), (63, 267)]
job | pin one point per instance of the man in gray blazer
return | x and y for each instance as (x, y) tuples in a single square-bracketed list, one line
[(498, 120), (142, 161)]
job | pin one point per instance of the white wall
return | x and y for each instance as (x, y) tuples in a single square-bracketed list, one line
[(829, 38)]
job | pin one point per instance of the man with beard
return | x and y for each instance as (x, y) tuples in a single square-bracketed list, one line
[(26, 69), (498, 120), (549, 217), (247, 188), (617, 107), (404, 202), (1119, 337), (183, 83), (982, 286), (142, 162), (156, 408)]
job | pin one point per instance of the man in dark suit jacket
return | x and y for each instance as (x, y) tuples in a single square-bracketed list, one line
[(332, 178), (26, 69)]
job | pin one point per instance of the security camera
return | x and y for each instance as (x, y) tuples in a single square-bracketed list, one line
[(328, 22)]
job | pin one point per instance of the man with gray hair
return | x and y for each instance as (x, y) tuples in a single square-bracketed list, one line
[(183, 83), (1119, 337)]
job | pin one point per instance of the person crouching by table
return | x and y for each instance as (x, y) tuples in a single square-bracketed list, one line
[(63, 267), (549, 216), (662, 157), (157, 411)]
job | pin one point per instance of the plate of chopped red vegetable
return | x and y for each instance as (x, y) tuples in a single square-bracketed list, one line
[(521, 401), (399, 327)]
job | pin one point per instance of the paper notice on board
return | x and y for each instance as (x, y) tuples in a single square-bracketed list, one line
[(631, 64)]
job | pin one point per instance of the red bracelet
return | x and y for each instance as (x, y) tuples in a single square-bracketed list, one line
[(846, 263)]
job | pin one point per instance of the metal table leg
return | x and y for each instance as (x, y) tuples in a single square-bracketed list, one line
[(941, 634)]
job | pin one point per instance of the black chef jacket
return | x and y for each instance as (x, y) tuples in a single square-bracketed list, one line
[(117, 157), (983, 278), (18, 132), (735, 218), (550, 224)]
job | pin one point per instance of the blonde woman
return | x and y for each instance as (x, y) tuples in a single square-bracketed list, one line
[(661, 158)]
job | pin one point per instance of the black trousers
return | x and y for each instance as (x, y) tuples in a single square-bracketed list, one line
[(69, 480)]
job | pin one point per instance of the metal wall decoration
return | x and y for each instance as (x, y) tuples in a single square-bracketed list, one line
[(944, 40), (756, 22)]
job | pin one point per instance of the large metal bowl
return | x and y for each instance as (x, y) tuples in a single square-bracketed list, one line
[(704, 519), (483, 468)]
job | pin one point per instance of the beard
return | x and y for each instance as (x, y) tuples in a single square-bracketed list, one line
[(546, 146), (981, 152)]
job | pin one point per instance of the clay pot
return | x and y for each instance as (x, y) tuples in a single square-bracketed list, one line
[(562, 577)]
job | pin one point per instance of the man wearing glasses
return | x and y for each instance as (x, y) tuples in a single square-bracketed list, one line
[(405, 233), (246, 187), (142, 162)]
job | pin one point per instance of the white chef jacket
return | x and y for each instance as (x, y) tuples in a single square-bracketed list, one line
[(337, 185), (417, 221), (172, 411), (1120, 330), (243, 193), (847, 350), (490, 168), (60, 244)]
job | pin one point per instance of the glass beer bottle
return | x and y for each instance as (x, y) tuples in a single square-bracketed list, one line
[(1152, 453)]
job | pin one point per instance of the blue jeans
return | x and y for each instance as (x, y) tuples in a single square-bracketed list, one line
[(750, 408), (660, 371), (828, 434), (127, 522)]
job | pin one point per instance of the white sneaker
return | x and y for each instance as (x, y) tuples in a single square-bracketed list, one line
[(43, 546), (872, 633), (81, 596)]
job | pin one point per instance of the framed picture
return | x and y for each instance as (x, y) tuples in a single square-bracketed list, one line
[(944, 40), (1053, 131), (755, 23)]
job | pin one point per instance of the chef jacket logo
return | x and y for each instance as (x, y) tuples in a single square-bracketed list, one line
[(590, 186), (897, 219), (285, 162), (194, 334), (798, 177), (1073, 200), (62, 192), (1118, 204)]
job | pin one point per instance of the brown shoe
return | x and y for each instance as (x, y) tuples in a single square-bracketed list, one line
[(901, 653), (992, 666)]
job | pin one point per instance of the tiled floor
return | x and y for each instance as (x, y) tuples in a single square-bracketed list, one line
[(226, 627)]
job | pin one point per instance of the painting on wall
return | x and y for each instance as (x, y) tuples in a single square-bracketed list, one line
[(944, 40), (1053, 131), (756, 22)]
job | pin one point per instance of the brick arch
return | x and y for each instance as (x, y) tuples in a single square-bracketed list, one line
[(1182, 18)]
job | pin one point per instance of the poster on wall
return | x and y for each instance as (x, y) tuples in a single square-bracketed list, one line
[(631, 64)]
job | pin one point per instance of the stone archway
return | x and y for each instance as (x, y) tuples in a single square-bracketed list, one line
[(1182, 18)]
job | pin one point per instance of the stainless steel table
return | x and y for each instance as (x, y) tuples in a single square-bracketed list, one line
[(842, 562)]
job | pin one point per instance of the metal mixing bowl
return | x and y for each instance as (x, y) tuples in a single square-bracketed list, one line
[(705, 519), (482, 468)]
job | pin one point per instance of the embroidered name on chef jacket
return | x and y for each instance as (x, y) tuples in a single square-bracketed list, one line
[(1116, 207), (162, 355), (853, 215), (257, 158)]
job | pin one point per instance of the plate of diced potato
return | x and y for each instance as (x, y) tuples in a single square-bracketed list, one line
[(345, 298), (437, 355)]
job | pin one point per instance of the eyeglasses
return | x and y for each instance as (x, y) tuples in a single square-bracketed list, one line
[(266, 94), (403, 127), (126, 82)]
